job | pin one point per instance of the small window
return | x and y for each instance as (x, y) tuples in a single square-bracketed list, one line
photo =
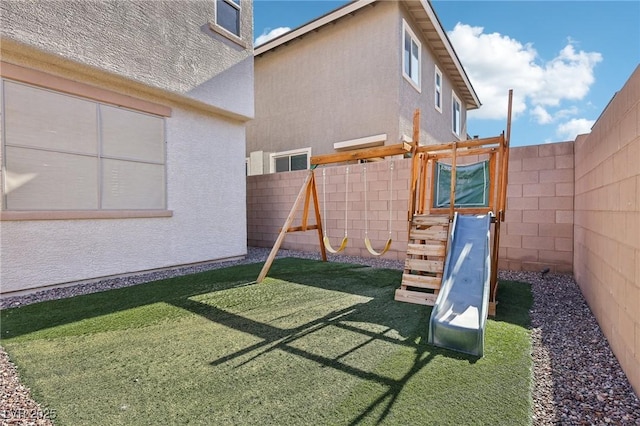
[(438, 89), (290, 160), (228, 15), (411, 57), (456, 115)]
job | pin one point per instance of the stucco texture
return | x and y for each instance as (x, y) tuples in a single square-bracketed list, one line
[(176, 62), (206, 192), (174, 50), (345, 82)]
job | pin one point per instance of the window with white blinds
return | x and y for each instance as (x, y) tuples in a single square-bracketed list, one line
[(63, 152)]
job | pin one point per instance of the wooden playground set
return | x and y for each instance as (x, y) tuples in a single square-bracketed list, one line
[(476, 188)]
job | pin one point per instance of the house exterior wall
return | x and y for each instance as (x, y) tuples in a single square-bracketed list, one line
[(205, 218), (435, 126), (336, 84), (208, 221), (607, 224), (174, 51)]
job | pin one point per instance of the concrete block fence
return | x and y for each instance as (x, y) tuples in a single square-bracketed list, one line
[(607, 224), (538, 232)]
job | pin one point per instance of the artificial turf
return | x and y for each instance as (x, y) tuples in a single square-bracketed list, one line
[(315, 343)]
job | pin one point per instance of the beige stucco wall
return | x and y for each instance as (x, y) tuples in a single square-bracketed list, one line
[(345, 82), (205, 143), (336, 84), (435, 126), (607, 224), (205, 187), (174, 50)]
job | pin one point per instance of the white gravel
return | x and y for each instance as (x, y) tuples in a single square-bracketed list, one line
[(577, 379)]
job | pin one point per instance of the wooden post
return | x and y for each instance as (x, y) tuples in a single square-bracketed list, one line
[(415, 166), (314, 193), (285, 228), (452, 194), (505, 163), (494, 269), (423, 183)]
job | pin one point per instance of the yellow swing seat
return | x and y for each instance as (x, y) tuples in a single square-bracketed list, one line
[(327, 245), (367, 243)]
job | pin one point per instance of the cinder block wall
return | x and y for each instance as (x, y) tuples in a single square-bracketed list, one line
[(538, 232), (539, 218), (607, 224), (271, 197)]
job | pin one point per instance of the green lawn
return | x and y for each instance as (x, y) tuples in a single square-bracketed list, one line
[(316, 343)]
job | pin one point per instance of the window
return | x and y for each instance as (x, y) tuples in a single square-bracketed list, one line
[(411, 56), (228, 15), (438, 89), (456, 115), (64, 152), (290, 160)]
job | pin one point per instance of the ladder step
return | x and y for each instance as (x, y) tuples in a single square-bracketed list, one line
[(432, 248), (416, 297), (421, 281), (434, 233), (429, 219), (433, 266)]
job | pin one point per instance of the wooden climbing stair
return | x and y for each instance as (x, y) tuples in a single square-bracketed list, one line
[(424, 264)]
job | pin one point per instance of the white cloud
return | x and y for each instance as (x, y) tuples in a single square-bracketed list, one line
[(269, 33), (496, 63), (574, 127), (541, 115)]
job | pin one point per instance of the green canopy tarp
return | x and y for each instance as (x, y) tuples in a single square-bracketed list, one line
[(472, 185)]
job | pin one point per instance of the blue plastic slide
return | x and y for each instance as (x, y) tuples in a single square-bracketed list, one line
[(459, 316)]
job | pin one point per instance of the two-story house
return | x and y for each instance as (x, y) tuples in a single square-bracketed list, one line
[(123, 136), (352, 79)]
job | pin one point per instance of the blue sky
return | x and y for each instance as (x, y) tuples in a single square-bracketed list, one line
[(564, 59)]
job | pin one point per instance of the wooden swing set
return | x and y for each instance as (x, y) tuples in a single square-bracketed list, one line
[(308, 193), (428, 223)]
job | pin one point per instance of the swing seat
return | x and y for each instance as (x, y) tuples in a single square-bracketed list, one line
[(371, 250), (327, 245)]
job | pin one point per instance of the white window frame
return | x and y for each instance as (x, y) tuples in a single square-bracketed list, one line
[(290, 153), (406, 29), (437, 89), (455, 100), (236, 38)]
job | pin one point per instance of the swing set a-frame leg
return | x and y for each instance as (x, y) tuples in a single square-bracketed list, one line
[(307, 191)]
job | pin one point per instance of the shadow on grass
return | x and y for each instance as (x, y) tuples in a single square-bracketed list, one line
[(278, 339), (378, 285), (409, 320)]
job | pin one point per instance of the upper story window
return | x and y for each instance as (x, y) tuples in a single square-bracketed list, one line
[(228, 15), (411, 56), (438, 89), (288, 161), (456, 114)]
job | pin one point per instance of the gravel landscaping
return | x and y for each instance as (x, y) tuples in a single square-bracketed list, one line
[(577, 379)]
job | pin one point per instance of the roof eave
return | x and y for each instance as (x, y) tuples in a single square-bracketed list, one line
[(432, 29), (313, 25)]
